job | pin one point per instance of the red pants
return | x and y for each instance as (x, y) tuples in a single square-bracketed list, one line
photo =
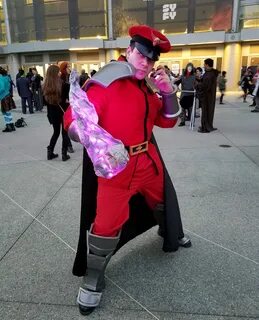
[(140, 176)]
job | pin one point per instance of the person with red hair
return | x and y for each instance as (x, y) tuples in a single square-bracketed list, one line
[(65, 70)]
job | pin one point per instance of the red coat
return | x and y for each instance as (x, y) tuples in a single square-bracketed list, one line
[(127, 109), (123, 107)]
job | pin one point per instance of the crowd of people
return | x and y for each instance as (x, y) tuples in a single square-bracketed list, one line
[(198, 91), (249, 84), (196, 85), (35, 93)]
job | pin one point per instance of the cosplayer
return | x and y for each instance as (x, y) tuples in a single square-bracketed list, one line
[(126, 188)]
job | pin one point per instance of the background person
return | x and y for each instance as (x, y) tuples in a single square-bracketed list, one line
[(37, 90), (18, 75), (207, 88), (256, 96), (222, 85), (6, 101), (254, 80), (198, 79), (65, 70), (24, 91), (54, 92), (246, 83), (187, 81), (83, 77)]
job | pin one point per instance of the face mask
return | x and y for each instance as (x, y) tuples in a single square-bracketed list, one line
[(189, 69)]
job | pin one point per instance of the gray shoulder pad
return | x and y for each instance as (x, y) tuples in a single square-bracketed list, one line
[(111, 72)]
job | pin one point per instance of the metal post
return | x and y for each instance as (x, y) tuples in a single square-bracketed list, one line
[(110, 26), (150, 13), (7, 25), (39, 20), (235, 16), (73, 19)]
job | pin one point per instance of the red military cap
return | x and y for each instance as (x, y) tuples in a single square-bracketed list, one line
[(150, 42)]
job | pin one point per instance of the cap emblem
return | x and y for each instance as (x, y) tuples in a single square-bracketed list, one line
[(156, 42)]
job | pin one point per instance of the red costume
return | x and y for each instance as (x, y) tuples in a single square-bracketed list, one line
[(127, 109), (123, 119)]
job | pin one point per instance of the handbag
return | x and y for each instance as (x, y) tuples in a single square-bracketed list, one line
[(20, 123)]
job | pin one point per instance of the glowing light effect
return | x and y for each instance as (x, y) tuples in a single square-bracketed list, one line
[(108, 155)]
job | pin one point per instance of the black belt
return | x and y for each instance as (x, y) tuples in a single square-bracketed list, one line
[(138, 148)]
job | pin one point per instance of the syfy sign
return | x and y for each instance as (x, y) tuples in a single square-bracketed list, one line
[(169, 11)]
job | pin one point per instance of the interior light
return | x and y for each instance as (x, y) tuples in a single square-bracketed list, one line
[(82, 49)]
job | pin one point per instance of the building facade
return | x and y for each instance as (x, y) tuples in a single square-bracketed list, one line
[(91, 33)]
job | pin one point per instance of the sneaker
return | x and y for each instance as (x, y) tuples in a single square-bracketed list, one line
[(185, 242)]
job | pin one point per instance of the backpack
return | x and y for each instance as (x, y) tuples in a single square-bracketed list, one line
[(20, 123)]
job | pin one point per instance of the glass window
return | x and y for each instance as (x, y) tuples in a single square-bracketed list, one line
[(249, 16), (211, 15), (2, 25), (92, 18), (56, 19), (21, 21), (171, 18), (127, 13)]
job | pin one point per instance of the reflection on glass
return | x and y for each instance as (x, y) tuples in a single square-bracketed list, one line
[(57, 19), (127, 13), (2, 25), (213, 15), (249, 16), (172, 17), (92, 19), (21, 21)]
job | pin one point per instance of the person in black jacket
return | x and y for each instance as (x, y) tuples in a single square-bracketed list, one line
[(18, 75), (54, 94), (37, 90), (207, 91), (246, 83), (23, 87), (83, 77)]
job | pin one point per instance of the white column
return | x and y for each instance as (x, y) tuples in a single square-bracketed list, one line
[(232, 65), (112, 54), (13, 65), (7, 25)]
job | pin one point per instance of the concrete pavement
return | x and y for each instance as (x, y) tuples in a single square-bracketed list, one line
[(218, 191)]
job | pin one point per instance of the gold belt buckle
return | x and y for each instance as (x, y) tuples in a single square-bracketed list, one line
[(138, 148)]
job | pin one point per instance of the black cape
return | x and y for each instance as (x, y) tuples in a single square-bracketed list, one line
[(140, 220)]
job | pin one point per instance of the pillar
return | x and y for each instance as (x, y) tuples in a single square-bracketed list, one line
[(232, 65), (111, 54), (14, 64)]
